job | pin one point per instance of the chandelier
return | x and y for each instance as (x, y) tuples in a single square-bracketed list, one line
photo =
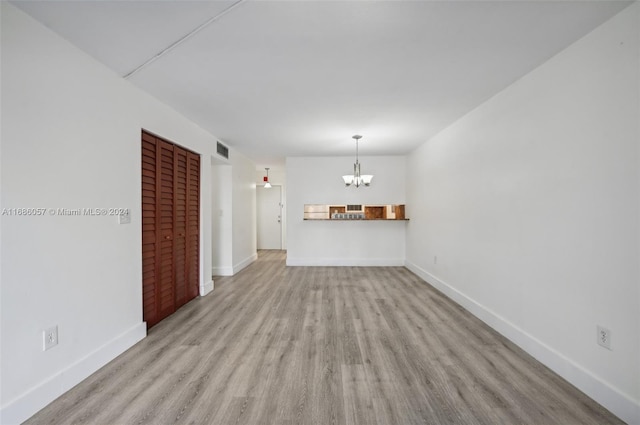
[(357, 179)]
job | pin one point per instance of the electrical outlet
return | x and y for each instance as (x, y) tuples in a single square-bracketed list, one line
[(435, 259), (49, 338), (604, 337)]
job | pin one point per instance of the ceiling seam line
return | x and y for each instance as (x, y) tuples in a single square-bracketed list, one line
[(182, 39)]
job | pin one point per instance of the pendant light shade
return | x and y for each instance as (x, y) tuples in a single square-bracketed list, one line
[(267, 184)]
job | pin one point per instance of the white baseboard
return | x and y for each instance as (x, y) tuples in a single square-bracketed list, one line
[(346, 262), (244, 263), (221, 271), (230, 271), (206, 288), (617, 402), (29, 403)]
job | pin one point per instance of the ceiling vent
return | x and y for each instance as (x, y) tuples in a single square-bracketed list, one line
[(223, 150)]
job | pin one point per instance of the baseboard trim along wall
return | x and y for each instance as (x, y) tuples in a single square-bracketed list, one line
[(348, 262), (617, 402), (230, 271), (206, 288), (29, 403), (221, 271), (244, 263)]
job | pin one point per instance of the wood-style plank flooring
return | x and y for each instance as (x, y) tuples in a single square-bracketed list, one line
[(323, 345)]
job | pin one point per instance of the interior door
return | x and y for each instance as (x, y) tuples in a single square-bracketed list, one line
[(269, 212), (193, 225), (170, 227), (180, 226), (165, 284)]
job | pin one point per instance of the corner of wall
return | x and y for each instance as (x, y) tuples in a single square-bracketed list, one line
[(206, 288), (244, 263), (611, 398), (22, 408)]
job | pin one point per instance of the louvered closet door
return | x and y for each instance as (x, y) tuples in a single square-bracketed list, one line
[(165, 290), (180, 226), (193, 225), (170, 201), (149, 226)]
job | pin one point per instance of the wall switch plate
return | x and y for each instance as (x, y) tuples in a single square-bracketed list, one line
[(604, 337), (49, 338), (124, 218)]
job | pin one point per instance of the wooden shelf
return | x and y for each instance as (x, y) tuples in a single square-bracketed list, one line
[(375, 212), (356, 219), (336, 209), (387, 212)]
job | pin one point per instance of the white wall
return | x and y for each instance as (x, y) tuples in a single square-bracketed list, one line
[(244, 212), (71, 139), (233, 214), (317, 180), (222, 219), (531, 205)]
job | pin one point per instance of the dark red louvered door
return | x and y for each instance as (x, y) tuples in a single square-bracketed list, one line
[(170, 227), (180, 227), (149, 225), (193, 225)]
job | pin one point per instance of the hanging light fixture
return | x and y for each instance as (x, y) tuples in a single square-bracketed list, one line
[(357, 179), (267, 185)]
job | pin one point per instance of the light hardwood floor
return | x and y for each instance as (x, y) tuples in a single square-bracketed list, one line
[(323, 345)]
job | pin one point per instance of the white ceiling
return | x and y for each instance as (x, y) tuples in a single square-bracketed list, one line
[(299, 78)]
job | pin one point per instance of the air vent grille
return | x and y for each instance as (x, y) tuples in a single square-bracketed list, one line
[(223, 150), (354, 207)]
